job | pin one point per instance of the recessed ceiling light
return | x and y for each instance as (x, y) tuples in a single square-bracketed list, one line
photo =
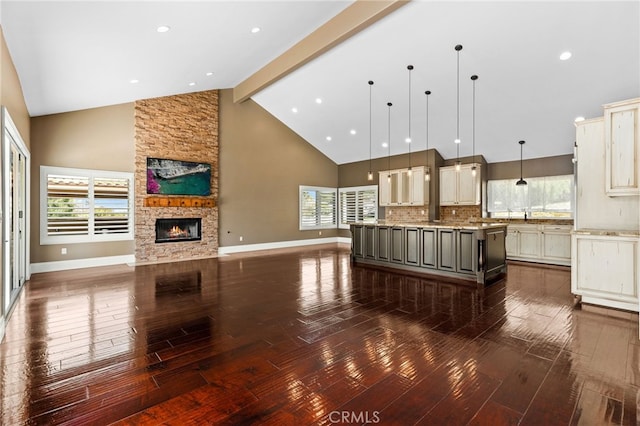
[(255, 30), (294, 110), (579, 119), (163, 29), (385, 145), (352, 131), (318, 100), (408, 140), (328, 138), (209, 74), (134, 81), (193, 83), (565, 55)]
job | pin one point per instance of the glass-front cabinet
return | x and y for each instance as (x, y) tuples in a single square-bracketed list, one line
[(403, 187)]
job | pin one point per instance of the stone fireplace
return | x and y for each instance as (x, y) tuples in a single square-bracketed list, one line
[(174, 230), (182, 127)]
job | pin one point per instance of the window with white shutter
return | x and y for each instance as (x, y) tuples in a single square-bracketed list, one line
[(358, 204), (80, 205), (318, 208)]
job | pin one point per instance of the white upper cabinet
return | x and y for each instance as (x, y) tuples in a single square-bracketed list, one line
[(460, 187), (384, 189), (622, 142), (595, 209), (448, 186), (403, 188)]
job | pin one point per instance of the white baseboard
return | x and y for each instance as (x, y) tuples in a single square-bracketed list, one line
[(63, 265), (281, 244), (130, 258)]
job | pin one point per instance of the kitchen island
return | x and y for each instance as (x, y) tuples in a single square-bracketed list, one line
[(468, 251)]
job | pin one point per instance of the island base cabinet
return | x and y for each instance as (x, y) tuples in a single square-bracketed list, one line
[(605, 270), (397, 245), (429, 248), (370, 242), (447, 249), (412, 246), (383, 243), (467, 258), (357, 242), (454, 252), (495, 249)]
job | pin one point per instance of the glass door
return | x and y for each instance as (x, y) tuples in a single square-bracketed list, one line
[(15, 193), (16, 213)]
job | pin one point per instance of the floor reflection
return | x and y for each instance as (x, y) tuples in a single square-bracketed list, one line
[(292, 336)]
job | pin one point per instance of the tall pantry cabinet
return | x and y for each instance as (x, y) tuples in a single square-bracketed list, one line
[(605, 246)]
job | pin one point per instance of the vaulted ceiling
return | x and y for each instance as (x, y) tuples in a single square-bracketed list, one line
[(78, 54)]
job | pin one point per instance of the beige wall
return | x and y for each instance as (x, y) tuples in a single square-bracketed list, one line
[(262, 164), (11, 95), (98, 138), (537, 167), (12, 98)]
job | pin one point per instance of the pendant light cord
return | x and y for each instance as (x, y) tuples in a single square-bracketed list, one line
[(410, 68), (428, 171), (389, 137), (458, 49), (473, 119), (521, 181), (370, 87), (427, 93)]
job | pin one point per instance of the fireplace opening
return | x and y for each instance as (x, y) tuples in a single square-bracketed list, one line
[(171, 230)]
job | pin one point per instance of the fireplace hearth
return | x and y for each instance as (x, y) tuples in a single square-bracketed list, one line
[(174, 230)]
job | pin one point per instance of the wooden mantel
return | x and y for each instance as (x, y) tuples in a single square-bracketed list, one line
[(179, 202)]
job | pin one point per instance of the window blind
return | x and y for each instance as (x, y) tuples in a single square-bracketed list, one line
[(85, 205)]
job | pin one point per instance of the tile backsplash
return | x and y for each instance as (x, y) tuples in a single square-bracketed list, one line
[(460, 213), (407, 213)]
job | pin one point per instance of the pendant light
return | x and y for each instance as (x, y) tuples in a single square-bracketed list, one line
[(370, 174), (473, 127), (389, 104), (458, 48), (408, 140), (521, 181), (427, 174)]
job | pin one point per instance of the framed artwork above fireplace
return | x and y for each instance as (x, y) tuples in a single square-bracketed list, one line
[(176, 177)]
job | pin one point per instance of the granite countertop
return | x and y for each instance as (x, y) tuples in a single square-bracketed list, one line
[(437, 224), (608, 232), (528, 221)]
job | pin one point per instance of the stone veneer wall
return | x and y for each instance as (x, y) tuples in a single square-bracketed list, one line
[(181, 127)]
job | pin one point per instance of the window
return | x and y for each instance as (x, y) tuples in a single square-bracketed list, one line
[(358, 204), (79, 206), (317, 208), (549, 197)]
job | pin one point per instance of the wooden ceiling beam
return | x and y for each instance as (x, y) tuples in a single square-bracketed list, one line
[(355, 18)]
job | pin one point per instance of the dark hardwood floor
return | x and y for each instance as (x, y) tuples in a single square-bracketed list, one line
[(303, 337)]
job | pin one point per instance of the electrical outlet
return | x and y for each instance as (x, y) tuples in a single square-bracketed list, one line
[(422, 211), (319, 232), (453, 212), (241, 238), (63, 250)]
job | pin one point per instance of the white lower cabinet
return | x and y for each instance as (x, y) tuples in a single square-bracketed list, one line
[(539, 243), (605, 271)]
